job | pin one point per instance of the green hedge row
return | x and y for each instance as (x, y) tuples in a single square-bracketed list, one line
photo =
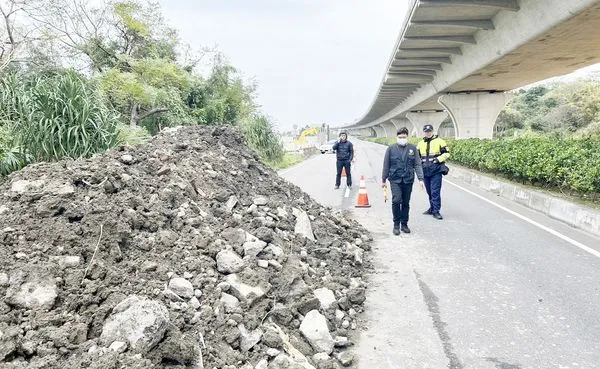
[(572, 164)]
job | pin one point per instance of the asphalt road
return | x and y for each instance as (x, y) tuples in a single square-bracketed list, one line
[(481, 289)]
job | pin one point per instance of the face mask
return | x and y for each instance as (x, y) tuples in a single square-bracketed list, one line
[(402, 141)]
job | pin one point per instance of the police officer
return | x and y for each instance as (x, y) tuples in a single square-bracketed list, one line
[(344, 151), (400, 164), (434, 152)]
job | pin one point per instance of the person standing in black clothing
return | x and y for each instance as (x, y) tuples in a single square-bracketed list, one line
[(400, 164), (344, 151)]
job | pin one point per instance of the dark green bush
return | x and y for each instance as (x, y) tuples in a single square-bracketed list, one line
[(572, 164)]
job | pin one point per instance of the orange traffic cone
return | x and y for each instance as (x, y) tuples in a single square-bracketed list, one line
[(343, 171), (363, 199)]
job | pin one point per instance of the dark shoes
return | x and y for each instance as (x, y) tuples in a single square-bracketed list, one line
[(436, 215), (404, 228), (336, 188), (349, 187)]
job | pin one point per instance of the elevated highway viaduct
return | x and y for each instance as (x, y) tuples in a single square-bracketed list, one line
[(458, 57)]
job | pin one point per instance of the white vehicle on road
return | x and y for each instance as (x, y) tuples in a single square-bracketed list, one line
[(327, 148)]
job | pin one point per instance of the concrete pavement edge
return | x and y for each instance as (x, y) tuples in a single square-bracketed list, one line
[(573, 214)]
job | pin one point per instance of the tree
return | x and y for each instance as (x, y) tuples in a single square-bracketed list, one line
[(14, 36)]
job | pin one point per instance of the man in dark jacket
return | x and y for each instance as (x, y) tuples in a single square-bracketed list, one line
[(344, 151), (400, 164)]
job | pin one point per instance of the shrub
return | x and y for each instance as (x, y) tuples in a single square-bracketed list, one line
[(50, 116), (572, 164)]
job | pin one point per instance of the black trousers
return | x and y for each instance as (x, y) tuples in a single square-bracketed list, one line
[(338, 177), (401, 193)]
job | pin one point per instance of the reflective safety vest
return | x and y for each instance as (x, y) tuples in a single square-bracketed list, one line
[(434, 151), (433, 148)]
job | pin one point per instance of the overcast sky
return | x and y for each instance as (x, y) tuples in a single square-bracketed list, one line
[(315, 61)]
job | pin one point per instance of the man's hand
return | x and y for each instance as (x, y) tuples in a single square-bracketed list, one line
[(422, 185), (383, 185), (435, 161)]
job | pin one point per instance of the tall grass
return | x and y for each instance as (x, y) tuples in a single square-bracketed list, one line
[(261, 136), (51, 116)]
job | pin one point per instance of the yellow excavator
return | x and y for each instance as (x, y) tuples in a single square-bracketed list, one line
[(312, 131)]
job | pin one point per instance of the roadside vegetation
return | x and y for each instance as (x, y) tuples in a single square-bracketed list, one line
[(77, 79), (569, 165), (561, 110), (289, 160)]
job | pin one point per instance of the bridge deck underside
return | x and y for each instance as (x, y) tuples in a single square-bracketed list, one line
[(438, 32)]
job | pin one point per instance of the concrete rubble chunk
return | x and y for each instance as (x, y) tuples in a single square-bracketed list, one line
[(261, 201), (65, 262), (303, 226), (282, 213), (263, 364), (118, 346), (244, 291), (172, 295), (249, 339), (4, 279), (272, 352), (263, 263), (326, 297), (322, 360), (224, 286), (182, 287), (275, 250), (341, 341), (231, 302), (250, 237), (253, 248), (126, 159), (345, 357), (357, 295), (139, 322), (231, 203), (314, 328), (228, 261), (22, 186), (194, 303), (61, 189), (35, 295), (357, 253)]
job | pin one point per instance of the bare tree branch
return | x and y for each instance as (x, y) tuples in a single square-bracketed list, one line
[(152, 112)]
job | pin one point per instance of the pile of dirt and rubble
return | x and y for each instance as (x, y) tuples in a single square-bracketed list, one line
[(185, 252)]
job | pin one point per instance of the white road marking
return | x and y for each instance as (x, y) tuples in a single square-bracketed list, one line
[(347, 194), (531, 221)]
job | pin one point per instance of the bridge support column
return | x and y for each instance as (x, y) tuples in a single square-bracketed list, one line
[(379, 131), (403, 122), (419, 119), (390, 129), (474, 114)]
